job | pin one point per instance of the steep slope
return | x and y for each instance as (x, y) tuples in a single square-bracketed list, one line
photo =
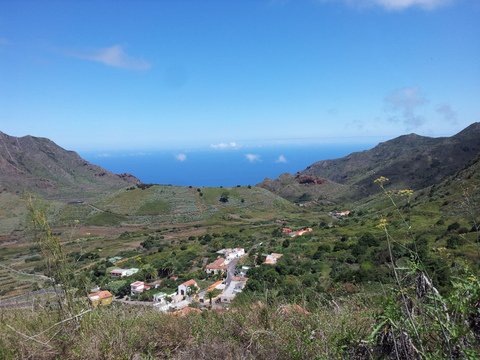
[(39, 165), (411, 161), (458, 194)]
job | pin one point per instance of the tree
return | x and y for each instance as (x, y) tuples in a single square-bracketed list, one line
[(149, 272), (210, 297), (224, 197), (277, 232)]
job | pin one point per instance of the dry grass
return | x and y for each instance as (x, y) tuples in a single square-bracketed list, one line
[(257, 332)]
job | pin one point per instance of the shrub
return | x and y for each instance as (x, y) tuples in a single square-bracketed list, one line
[(453, 226), (454, 241)]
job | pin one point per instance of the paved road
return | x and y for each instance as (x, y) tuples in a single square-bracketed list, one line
[(231, 267)]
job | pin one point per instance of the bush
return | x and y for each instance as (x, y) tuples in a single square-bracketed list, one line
[(453, 226), (368, 240), (455, 241), (224, 197)]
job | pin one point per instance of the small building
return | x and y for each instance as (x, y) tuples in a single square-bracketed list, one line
[(103, 297), (119, 273), (216, 285), (114, 259), (159, 297), (231, 254), (203, 296), (286, 231), (216, 267), (340, 213), (187, 287), (272, 258), (300, 232), (138, 287)]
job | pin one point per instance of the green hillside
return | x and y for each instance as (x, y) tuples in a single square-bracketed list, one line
[(159, 203)]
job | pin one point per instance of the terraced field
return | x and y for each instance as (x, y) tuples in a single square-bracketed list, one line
[(13, 283), (173, 204)]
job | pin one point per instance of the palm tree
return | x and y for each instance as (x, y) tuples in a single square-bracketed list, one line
[(210, 297), (149, 272)]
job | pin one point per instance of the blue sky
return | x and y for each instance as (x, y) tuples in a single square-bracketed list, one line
[(112, 75)]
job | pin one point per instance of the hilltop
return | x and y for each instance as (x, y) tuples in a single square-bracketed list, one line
[(158, 204), (38, 165), (409, 161)]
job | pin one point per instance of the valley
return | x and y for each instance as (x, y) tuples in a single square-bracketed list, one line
[(337, 241)]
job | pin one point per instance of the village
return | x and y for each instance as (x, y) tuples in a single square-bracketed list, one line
[(229, 276)]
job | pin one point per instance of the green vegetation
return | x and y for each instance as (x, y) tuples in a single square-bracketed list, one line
[(105, 218), (154, 208), (396, 278)]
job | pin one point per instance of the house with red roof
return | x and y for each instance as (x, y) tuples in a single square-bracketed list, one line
[(103, 297), (187, 288), (120, 273), (300, 232), (138, 287), (217, 267)]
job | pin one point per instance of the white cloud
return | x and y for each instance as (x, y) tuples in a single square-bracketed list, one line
[(404, 103), (448, 113), (226, 146), (114, 56), (393, 5), (181, 157), (252, 157), (104, 155), (140, 153), (404, 4), (281, 159)]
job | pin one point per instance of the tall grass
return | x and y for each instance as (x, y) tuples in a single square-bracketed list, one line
[(247, 332)]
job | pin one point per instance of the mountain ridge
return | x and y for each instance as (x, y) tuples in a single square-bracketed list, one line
[(37, 164), (411, 160)]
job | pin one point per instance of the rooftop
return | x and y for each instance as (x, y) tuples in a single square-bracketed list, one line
[(190, 282), (104, 294), (219, 263)]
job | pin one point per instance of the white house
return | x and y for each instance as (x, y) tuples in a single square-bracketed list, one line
[(231, 254), (216, 267), (138, 287), (187, 287), (119, 273)]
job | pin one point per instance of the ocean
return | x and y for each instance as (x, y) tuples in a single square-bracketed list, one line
[(244, 166)]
